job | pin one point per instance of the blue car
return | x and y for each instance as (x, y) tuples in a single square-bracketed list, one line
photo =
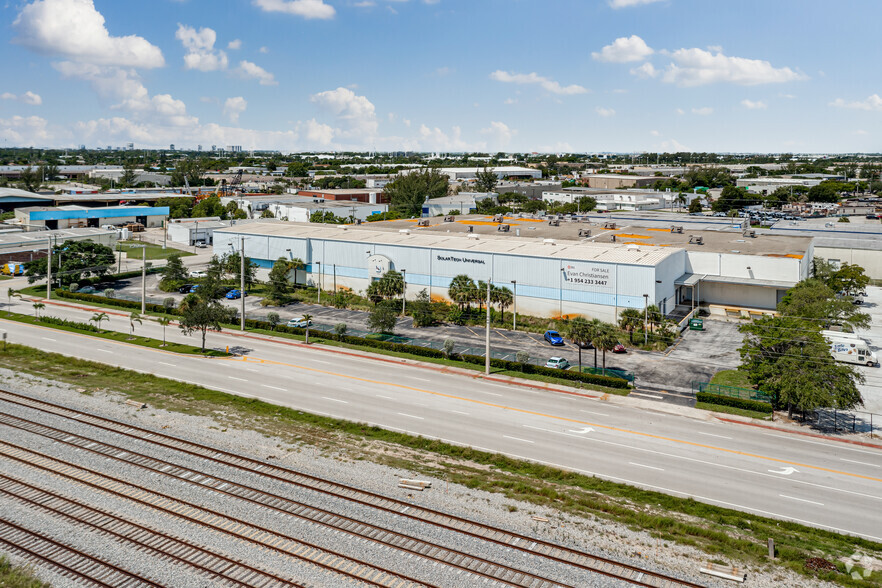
[(235, 294), (554, 338)]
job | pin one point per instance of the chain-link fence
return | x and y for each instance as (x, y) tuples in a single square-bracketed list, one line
[(848, 421)]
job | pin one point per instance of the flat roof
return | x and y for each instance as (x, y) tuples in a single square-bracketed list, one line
[(486, 243), (718, 234), (13, 239)]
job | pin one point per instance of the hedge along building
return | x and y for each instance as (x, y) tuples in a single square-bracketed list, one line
[(548, 277)]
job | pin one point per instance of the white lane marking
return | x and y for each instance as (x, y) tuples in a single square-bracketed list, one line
[(321, 361), (872, 465), (420, 379), (48, 339), (273, 387), (251, 370), (592, 412), (711, 463), (686, 494), (646, 395), (844, 445), (235, 378), (168, 364), (385, 397), (519, 439), (801, 499), (106, 350), (412, 416), (336, 400), (785, 471), (490, 393), (459, 412), (712, 435), (640, 465)]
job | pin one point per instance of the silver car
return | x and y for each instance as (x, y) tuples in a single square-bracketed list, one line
[(557, 363)]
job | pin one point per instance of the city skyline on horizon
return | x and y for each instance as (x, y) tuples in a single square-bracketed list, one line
[(442, 76)]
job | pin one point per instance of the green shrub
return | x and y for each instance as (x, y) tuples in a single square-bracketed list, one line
[(51, 320), (719, 400)]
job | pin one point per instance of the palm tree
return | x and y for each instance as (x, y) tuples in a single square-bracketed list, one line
[(579, 330), (461, 290), (654, 316), (307, 318), (98, 317), (134, 318), (502, 297), (605, 339), (595, 327), (164, 322), (37, 307), (11, 293), (629, 320)]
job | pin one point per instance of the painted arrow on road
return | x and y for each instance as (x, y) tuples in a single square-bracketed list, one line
[(582, 431), (786, 471)]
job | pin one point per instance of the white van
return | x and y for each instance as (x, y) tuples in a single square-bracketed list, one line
[(852, 350)]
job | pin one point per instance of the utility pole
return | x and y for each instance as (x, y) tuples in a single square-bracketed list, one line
[(403, 290), (645, 316), (514, 321), (242, 281), (49, 270), (143, 279), (487, 337), (319, 282)]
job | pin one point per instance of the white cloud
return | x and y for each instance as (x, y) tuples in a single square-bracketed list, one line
[(605, 112), (318, 133), (673, 146), (444, 71), (873, 102), (234, 44), (680, 111), (264, 50), (704, 111), (788, 96), (511, 101), (623, 50), (533, 78), (355, 113), (499, 134), (647, 70), (125, 86), (247, 69), (74, 30), (626, 3), (365, 4), (406, 121), (861, 132), (436, 139), (751, 105), (233, 107), (201, 53), (24, 131), (655, 133), (697, 67), (308, 9), (27, 98)]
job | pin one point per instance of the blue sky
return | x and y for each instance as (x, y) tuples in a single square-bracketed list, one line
[(444, 75)]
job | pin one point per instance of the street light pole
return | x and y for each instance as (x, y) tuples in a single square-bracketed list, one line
[(645, 316), (242, 282), (487, 334), (514, 321), (49, 270), (403, 290), (319, 282), (143, 279)]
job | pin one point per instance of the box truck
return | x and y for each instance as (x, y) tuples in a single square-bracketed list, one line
[(849, 348)]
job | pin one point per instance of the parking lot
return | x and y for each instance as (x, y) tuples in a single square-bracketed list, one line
[(871, 389)]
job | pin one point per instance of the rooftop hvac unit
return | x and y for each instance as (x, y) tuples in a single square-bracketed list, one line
[(633, 247), (749, 233), (554, 222), (405, 231), (503, 228), (696, 240), (449, 218), (423, 222), (344, 227), (472, 235), (677, 229), (549, 241), (584, 232), (611, 226)]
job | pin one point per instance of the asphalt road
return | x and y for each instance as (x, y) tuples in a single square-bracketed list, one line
[(828, 484)]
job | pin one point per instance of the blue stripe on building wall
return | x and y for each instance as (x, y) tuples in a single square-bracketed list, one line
[(99, 213)]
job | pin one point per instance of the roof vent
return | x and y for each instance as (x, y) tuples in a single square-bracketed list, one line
[(549, 241), (472, 235), (405, 231), (633, 247), (344, 227)]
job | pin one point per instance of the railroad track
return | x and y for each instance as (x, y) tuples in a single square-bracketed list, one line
[(159, 544), (235, 528), (68, 562), (523, 543)]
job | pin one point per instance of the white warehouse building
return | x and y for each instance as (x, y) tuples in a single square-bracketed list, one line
[(548, 277)]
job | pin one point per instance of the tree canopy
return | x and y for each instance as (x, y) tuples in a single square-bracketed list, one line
[(78, 260), (408, 191)]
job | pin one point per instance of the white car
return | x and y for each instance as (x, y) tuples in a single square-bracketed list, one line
[(299, 322), (198, 274), (557, 363)]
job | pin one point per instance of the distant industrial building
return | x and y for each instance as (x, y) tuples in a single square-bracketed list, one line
[(470, 173), (617, 181), (770, 184), (369, 195), (68, 217), (298, 208), (462, 203), (28, 246)]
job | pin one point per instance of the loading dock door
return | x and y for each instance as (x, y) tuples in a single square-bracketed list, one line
[(141, 219)]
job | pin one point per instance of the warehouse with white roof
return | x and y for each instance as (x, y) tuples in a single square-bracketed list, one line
[(595, 276)]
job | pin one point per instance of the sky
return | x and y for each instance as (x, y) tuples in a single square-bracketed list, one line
[(579, 76)]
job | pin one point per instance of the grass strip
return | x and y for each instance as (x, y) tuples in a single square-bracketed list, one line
[(133, 249), (720, 532), (115, 336), (18, 576), (732, 410), (734, 378)]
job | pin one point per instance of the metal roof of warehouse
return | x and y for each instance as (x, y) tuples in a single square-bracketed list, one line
[(527, 247)]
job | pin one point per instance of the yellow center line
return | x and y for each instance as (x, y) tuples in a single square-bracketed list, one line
[(558, 418)]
